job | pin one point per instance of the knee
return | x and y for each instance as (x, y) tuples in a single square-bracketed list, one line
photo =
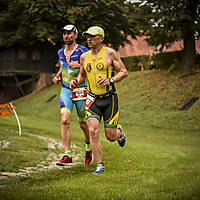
[(91, 130), (93, 133), (65, 121), (93, 127)]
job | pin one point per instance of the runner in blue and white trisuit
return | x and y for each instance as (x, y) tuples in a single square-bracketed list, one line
[(69, 59)]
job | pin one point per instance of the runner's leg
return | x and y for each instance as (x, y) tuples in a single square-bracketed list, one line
[(80, 109), (66, 106), (111, 118), (84, 127), (93, 125), (65, 130)]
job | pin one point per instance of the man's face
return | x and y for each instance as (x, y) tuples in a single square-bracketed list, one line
[(69, 37), (94, 40)]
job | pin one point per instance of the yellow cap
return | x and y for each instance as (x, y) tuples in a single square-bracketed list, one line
[(94, 30)]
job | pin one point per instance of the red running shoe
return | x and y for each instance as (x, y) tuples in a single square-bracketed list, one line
[(88, 157), (65, 161)]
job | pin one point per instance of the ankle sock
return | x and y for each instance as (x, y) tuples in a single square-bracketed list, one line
[(87, 147), (68, 153), (100, 165)]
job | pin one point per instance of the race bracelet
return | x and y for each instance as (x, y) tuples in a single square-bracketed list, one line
[(57, 78)]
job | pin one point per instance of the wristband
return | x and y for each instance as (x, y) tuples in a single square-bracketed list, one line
[(57, 78)]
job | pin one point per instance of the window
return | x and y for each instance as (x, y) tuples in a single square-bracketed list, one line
[(36, 55), (22, 54)]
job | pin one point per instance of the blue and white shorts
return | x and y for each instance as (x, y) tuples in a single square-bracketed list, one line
[(67, 104)]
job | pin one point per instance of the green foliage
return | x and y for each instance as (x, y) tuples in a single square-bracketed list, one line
[(136, 63), (168, 21), (131, 63), (29, 20), (167, 60)]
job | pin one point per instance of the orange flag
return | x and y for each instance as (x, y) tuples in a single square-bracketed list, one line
[(6, 109)]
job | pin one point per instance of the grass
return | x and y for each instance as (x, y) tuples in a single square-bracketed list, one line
[(161, 159), (22, 152)]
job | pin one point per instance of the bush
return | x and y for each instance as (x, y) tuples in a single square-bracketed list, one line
[(166, 60), (136, 63)]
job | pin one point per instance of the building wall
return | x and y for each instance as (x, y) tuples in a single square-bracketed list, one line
[(22, 66), (35, 58)]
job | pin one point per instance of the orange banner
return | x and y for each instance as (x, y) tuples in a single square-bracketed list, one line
[(6, 109)]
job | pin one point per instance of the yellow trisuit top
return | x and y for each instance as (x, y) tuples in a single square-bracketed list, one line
[(95, 68)]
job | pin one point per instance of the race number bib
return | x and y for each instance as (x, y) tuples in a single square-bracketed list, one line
[(89, 101), (79, 94)]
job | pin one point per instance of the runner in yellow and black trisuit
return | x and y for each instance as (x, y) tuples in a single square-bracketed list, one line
[(106, 101), (98, 65)]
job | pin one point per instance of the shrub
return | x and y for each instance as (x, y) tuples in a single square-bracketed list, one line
[(166, 60), (136, 63)]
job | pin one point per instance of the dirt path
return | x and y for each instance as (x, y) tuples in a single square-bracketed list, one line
[(47, 164)]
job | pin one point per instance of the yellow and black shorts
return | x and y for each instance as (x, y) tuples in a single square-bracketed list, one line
[(105, 106)]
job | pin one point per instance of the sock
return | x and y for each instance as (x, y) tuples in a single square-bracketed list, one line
[(87, 146), (68, 153), (100, 164)]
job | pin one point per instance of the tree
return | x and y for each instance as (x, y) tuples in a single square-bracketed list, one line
[(26, 21), (171, 20)]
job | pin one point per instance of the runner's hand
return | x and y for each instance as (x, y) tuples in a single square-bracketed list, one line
[(104, 81), (73, 83), (74, 65), (56, 79)]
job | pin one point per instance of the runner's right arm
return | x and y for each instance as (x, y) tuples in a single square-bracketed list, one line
[(57, 78)]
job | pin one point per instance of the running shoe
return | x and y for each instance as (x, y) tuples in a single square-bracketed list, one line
[(65, 161), (100, 169), (88, 157), (122, 139)]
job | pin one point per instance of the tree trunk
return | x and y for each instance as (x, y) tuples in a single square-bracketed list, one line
[(189, 53)]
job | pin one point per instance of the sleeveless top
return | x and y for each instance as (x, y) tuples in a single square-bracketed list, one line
[(68, 73), (95, 68)]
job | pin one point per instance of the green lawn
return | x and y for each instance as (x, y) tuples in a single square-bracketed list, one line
[(160, 161)]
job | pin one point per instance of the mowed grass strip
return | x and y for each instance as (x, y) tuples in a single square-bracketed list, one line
[(161, 159)]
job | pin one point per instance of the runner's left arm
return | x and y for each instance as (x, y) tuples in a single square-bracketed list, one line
[(119, 66), (81, 76), (116, 63)]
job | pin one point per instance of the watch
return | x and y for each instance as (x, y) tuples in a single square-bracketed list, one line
[(111, 81)]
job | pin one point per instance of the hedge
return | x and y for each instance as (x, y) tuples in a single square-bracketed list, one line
[(165, 60)]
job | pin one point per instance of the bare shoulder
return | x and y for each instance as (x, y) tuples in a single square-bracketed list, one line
[(82, 58), (83, 55), (111, 51), (112, 54)]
